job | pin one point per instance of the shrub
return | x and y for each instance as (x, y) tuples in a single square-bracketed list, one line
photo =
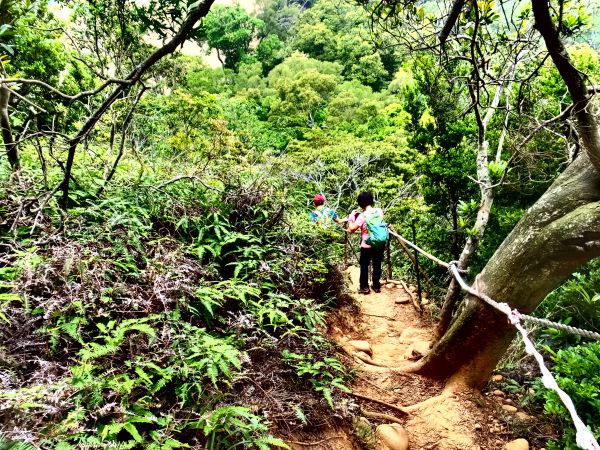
[(577, 372)]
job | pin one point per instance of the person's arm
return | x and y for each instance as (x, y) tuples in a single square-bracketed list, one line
[(352, 225), (337, 219)]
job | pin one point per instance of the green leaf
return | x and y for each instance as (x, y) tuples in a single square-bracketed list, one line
[(132, 430)]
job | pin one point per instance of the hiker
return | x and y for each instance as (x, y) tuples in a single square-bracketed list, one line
[(322, 215), (374, 232)]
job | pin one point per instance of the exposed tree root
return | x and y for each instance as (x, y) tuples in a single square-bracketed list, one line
[(380, 416), (373, 366), (377, 315), (414, 301), (399, 409), (362, 359), (309, 444)]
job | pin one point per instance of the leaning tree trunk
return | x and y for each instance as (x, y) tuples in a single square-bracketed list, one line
[(556, 236)]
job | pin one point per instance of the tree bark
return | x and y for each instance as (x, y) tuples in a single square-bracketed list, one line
[(10, 146), (556, 236)]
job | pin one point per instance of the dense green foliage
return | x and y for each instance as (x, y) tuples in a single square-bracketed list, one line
[(184, 279), (577, 370)]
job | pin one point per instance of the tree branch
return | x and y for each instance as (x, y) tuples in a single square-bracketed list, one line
[(576, 82), (451, 20), (7, 81), (134, 76)]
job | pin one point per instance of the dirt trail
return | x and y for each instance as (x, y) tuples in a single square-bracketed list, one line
[(395, 332)]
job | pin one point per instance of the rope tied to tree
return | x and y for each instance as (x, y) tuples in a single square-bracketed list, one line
[(584, 437), (452, 266)]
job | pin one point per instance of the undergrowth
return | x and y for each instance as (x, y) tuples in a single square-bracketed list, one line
[(164, 317)]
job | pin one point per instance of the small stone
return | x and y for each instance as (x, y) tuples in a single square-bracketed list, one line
[(361, 346), (497, 378), (478, 426), (509, 408), (363, 426), (424, 302), (498, 393), (390, 285), (402, 300), (508, 401), (523, 417), (517, 444), (394, 436)]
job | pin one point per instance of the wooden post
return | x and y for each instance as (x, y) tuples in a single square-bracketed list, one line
[(389, 259), (417, 271)]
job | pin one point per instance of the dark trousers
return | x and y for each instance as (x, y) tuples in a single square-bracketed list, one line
[(366, 256)]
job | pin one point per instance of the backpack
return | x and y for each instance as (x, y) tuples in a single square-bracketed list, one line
[(323, 216), (377, 229)]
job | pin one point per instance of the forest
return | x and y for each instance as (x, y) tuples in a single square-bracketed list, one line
[(161, 284)]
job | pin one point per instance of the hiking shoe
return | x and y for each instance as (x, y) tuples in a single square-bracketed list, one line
[(377, 289), (364, 291)]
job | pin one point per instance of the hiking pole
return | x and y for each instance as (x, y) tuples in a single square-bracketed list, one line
[(345, 249), (354, 251), (389, 259), (418, 272)]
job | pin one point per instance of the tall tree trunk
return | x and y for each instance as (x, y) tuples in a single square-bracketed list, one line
[(556, 236), (485, 206), (10, 146), (466, 256)]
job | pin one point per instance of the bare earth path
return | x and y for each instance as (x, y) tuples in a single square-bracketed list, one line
[(389, 330)]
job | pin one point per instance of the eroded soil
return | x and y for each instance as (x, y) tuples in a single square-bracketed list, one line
[(434, 418)]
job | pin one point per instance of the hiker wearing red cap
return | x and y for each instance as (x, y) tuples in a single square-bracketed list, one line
[(321, 214)]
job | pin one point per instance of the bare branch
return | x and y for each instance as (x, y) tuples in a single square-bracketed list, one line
[(134, 76), (83, 94), (187, 177), (562, 116), (451, 20)]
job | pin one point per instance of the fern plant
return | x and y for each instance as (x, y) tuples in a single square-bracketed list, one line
[(232, 426), (113, 335), (204, 357), (324, 375)]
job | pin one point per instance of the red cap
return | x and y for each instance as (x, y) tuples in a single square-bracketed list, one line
[(318, 199)]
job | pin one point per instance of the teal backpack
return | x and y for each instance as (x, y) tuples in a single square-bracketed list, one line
[(377, 229)]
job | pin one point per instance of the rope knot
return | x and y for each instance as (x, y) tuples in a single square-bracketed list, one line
[(455, 264)]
